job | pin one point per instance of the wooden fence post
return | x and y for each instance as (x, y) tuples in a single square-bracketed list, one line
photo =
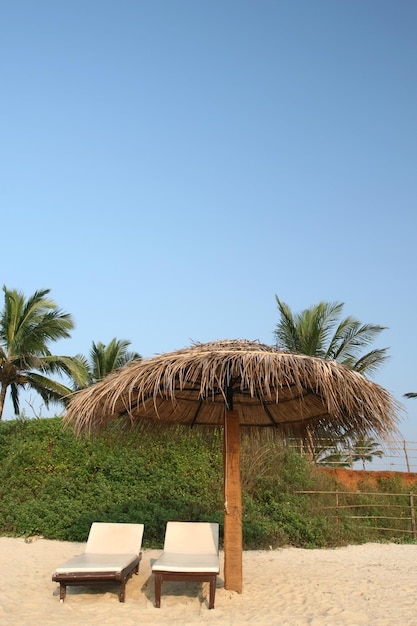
[(350, 455), (413, 516), (406, 455)]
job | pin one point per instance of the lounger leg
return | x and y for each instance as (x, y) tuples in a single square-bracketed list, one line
[(62, 591), (158, 585), (212, 591), (122, 592)]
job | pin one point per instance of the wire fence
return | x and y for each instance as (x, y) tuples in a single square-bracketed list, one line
[(393, 513), (399, 456)]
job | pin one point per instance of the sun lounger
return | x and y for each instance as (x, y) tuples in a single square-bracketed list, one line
[(191, 554), (112, 554)]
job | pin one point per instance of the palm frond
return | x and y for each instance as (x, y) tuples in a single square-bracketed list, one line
[(286, 333), (371, 362), (50, 390)]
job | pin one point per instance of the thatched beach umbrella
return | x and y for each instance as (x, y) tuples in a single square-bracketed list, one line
[(237, 384)]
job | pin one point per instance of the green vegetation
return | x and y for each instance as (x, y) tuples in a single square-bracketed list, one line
[(319, 331), (27, 327), (104, 359), (56, 485)]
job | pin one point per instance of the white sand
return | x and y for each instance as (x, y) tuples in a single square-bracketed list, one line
[(368, 584)]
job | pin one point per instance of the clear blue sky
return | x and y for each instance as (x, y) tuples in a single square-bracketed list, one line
[(167, 167)]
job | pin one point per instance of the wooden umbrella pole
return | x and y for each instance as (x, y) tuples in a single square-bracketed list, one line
[(232, 504)]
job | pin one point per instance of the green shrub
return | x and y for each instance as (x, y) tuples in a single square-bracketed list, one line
[(54, 484)]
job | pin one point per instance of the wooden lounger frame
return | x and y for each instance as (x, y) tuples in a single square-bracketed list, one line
[(190, 554), (199, 577), (97, 578)]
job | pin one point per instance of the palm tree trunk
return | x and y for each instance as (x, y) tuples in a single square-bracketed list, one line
[(3, 390)]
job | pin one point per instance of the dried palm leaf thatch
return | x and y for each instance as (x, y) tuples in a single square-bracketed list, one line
[(267, 387)]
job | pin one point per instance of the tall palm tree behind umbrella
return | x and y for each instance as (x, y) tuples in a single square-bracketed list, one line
[(104, 359), (237, 384), (27, 328), (320, 331)]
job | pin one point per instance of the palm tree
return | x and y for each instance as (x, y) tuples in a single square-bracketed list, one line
[(365, 449), (27, 326), (104, 359), (319, 331), (331, 457)]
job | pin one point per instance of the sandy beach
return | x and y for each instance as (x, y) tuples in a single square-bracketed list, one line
[(368, 584)]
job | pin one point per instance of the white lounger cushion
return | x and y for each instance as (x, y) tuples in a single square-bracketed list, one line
[(192, 538), (90, 562), (190, 547), (111, 538), (170, 562), (110, 548)]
